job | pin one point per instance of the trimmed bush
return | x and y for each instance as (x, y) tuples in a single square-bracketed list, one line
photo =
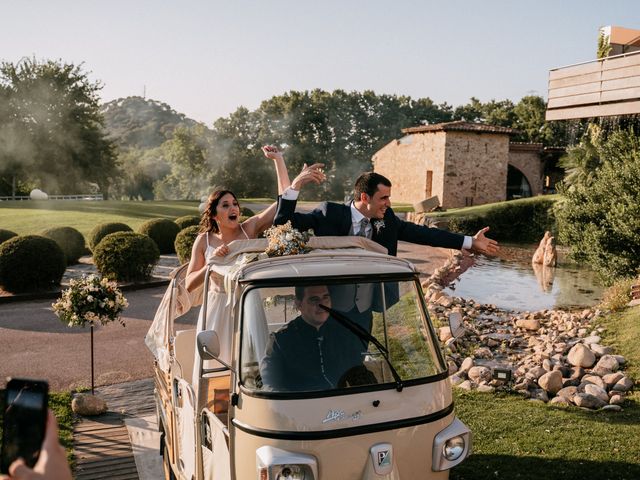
[(184, 242), (104, 229), (126, 256), (6, 235), (187, 221), (246, 212), (520, 221), (30, 263), (69, 240), (162, 231)]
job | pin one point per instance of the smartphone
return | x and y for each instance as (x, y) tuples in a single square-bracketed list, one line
[(24, 421)]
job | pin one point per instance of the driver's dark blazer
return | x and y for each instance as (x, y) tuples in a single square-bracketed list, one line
[(335, 219)]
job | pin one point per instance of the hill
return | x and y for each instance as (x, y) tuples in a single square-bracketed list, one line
[(141, 123)]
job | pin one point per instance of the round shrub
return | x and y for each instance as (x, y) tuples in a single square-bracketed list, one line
[(246, 212), (104, 229), (69, 240), (162, 231), (126, 256), (6, 235), (30, 263), (187, 221), (184, 242)]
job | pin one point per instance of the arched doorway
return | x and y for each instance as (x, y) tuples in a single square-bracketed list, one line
[(517, 184)]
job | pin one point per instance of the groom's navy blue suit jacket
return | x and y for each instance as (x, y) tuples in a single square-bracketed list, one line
[(335, 219)]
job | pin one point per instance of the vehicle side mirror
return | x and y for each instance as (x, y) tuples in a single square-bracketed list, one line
[(208, 345), (455, 325)]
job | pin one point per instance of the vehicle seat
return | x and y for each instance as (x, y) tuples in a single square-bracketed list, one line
[(184, 346)]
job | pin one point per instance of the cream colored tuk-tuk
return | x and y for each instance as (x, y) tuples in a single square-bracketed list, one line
[(362, 393)]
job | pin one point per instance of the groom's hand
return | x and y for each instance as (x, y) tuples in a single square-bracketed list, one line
[(309, 174), (482, 244)]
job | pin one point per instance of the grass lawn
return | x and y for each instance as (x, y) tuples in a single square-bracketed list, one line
[(60, 404), (31, 217), (518, 439)]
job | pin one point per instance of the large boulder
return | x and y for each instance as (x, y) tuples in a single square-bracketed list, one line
[(88, 405), (581, 356), (551, 381)]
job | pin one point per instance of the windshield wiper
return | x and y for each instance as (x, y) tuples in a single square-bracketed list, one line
[(360, 332)]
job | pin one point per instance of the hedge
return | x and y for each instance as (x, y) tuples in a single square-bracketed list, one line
[(126, 256), (104, 229), (162, 231), (69, 240)]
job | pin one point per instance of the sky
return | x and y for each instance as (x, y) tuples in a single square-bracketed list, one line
[(206, 58)]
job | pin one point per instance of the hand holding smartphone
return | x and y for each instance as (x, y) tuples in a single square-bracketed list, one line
[(24, 421)]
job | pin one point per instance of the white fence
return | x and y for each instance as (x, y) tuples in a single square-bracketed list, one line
[(57, 197)]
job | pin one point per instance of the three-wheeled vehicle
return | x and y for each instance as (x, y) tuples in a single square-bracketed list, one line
[(367, 399)]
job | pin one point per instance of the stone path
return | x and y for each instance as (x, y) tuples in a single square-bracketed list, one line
[(122, 443)]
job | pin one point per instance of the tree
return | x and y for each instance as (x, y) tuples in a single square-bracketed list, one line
[(600, 220), (51, 115)]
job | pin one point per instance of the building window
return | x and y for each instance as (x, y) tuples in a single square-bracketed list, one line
[(429, 189)]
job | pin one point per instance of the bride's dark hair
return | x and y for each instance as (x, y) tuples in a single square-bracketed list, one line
[(207, 223)]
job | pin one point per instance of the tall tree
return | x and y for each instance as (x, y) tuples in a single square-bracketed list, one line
[(52, 117)]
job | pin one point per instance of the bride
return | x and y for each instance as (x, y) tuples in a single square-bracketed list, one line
[(220, 226)]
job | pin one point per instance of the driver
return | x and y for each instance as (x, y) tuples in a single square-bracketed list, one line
[(311, 352)]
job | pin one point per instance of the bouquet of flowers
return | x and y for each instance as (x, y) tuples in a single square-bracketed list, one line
[(286, 240), (90, 300)]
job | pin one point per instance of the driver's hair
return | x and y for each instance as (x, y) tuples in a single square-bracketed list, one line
[(299, 291)]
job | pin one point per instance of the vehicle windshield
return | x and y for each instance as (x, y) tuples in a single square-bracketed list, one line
[(334, 335)]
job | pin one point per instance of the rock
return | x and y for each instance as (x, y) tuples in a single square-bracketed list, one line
[(455, 380), (88, 405), (601, 371), (596, 391), (479, 374), (539, 394), (435, 296), (588, 401), (485, 389), (453, 368), (444, 333), (466, 385), (535, 373), (560, 401), (445, 301), (616, 400), (483, 352), (600, 350), (581, 356), (593, 380), (570, 382), (611, 379), (621, 360), (567, 392), (530, 324), (591, 339), (467, 363), (623, 385), (548, 365), (551, 381), (612, 408), (608, 362)]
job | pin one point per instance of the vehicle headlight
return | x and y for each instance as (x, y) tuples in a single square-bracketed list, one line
[(453, 448), (277, 464)]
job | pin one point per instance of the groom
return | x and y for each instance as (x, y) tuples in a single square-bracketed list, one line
[(370, 215)]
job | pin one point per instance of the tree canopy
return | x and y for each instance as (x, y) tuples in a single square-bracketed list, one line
[(51, 129)]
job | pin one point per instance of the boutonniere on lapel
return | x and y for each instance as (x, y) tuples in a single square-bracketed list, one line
[(378, 225)]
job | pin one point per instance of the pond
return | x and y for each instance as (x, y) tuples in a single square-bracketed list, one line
[(510, 282)]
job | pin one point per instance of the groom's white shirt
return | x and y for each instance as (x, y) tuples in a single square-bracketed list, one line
[(356, 216)]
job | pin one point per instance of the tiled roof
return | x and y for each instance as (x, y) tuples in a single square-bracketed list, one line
[(459, 126), (525, 147)]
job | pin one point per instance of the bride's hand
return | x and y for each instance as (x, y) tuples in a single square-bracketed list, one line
[(272, 152), (309, 173), (221, 251)]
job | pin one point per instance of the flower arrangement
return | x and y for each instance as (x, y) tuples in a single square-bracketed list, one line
[(92, 300), (378, 225), (286, 240)]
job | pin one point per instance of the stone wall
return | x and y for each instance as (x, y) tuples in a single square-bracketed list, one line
[(476, 168), (526, 158)]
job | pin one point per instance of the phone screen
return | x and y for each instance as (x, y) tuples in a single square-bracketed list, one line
[(24, 421)]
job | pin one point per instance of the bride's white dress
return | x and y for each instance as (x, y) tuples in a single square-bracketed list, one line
[(218, 313)]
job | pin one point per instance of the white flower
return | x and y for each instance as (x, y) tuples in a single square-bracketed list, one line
[(378, 225)]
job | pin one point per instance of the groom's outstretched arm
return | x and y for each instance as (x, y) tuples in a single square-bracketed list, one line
[(286, 211)]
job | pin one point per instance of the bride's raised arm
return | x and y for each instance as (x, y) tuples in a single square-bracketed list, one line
[(260, 222)]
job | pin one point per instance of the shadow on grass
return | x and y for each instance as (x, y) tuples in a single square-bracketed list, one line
[(479, 467)]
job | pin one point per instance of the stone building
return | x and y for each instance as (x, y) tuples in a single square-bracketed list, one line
[(461, 163)]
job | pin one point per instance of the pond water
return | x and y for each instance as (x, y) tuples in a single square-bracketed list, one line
[(512, 283)]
